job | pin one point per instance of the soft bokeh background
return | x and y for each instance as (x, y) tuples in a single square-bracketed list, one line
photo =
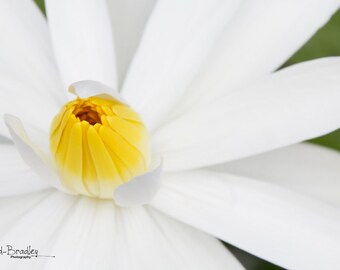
[(326, 42)]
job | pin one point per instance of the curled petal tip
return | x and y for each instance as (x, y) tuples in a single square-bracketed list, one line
[(142, 189)]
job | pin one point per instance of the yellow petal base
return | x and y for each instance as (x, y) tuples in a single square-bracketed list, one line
[(98, 144)]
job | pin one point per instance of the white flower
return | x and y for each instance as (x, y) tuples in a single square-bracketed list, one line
[(202, 81)]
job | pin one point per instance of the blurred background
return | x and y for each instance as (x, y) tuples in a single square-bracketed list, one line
[(326, 42)]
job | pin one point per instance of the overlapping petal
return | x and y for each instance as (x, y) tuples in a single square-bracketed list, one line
[(29, 79), (134, 238), (274, 223), (82, 40), (175, 44), (292, 105), (16, 176), (34, 156), (306, 168), (262, 35), (128, 18)]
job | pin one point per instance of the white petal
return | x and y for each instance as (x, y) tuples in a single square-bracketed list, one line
[(29, 79), (306, 168), (128, 19), (292, 105), (19, 98), (129, 238), (278, 225), (37, 225), (175, 44), (14, 207), (142, 189), (34, 157), (16, 176), (4, 140), (82, 39), (262, 36), (89, 88)]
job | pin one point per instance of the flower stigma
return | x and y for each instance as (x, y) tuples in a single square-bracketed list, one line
[(98, 144)]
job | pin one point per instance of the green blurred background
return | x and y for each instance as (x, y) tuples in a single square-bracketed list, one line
[(326, 42)]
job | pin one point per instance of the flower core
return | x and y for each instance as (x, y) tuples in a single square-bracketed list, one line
[(98, 144)]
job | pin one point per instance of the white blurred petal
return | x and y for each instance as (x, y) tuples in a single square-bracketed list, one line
[(262, 36), (306, 168), (289, 106), (34, 157), (130, 238), (18, 98), (29, 79), (82, 39), (14, 207), (284, 227), (175, 44), (38, 225), (16, 176), (129, 18)]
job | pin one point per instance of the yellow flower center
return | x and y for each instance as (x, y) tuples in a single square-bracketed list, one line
[(98, 144)]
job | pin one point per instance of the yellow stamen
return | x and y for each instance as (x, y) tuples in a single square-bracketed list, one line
[(98, 143)]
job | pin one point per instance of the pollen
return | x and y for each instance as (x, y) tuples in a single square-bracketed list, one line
[(98, 143)]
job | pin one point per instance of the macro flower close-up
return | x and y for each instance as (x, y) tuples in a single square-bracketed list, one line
[(142, 134)]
